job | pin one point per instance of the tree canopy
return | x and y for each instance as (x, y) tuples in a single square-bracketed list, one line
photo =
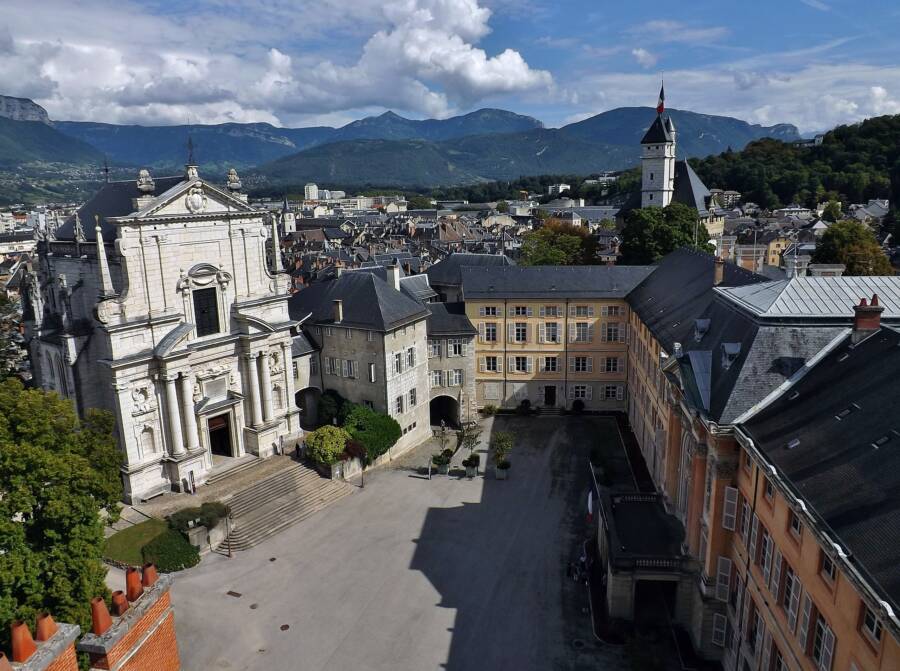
[(57, 474), (852, 243), (651, 233), (374, 431), (558, 244)]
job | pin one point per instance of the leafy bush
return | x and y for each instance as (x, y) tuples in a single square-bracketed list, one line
[(489, 410), (502, 444), (207, 514), (578, 406), (374, 431), (326, 444), (356, 450), (331, 406), (440, 459), (472, 461), (170, 552)]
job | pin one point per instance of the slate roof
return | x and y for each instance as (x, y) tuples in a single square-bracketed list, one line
[(657, 133), (848, 469), (689, 188), (417, 288), (448, 271), (368, 303), (449, 319), (301, 345), (114, 199), (552, 281), (823, 297)]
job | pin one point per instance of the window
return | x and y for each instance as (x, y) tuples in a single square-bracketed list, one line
[(613, 392), (411, 357), (580, 391), (551, 364), (612, 332), (412, 397), (488, 311), (349, 334), (370, 336), (372, 377), (294, 369), (329, 331), (745, 459), (206, 311), (490, 364), (584, 311), (349, 368), (456, 347), (729, 510), (827, 569), (455, 377), (313, 366), (520, 333), (398, 405), (823, 643), (520, 364), (521, 311), (550, 311), (331, 366), (581, 364), (871, 625), (551, 332), (434, 349), (490, 332), (795, 525), (398, 363), (770, 490), (613, 364), (318, 330), (611, 311), (582, 332), (436, 378)]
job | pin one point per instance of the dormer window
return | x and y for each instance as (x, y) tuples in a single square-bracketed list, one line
[(701, 327), (730, 351)]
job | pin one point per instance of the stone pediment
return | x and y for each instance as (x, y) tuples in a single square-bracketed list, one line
[(193, 198)]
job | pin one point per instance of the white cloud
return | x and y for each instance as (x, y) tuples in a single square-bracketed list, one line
[(663, 31), (817, 4), (644, 57)]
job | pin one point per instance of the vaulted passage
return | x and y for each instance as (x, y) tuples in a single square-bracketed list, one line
[(308, 402), (446, 409)]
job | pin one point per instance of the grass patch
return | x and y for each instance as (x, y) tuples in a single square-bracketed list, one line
[(125, 546)]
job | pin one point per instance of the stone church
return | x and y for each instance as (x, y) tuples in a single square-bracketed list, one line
[(156, 301)]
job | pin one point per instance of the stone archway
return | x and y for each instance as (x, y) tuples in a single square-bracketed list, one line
[(308, 401), (446, 409)]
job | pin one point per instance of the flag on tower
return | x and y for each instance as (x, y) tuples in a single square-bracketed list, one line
[(661, 104)]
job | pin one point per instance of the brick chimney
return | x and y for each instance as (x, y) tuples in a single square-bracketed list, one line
[(718, 271), (54, 650), (866, 319), (338, 310)]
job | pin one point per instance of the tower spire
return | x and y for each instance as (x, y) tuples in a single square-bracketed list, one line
[(106, 285)]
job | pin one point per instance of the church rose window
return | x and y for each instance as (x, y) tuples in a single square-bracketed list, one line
[(206, 311)]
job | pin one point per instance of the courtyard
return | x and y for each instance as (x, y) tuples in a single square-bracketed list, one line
[(416, 574)]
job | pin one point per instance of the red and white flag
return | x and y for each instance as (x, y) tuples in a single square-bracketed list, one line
[(661, 104)]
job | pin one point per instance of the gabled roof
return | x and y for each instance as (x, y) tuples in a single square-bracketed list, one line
[(449, 319), (811, 297), (448, 271), (689, 188), (552, 282), (368, 303), (841, 423), (301, 345), (657, 133)]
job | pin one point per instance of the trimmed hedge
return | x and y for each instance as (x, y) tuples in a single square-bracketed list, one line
[(171, 552), (374, 431)]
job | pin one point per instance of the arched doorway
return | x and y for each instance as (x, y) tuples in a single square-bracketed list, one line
[(446, 409), (308, 402)]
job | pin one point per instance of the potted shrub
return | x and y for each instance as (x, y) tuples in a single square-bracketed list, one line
[(524, 407), (577, 406), (501, 444), (471, 464), (489, 410), (442, 461)]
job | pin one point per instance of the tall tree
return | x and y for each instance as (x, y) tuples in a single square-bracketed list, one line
[(558, 244), (58, 478), (653, 232), (852, 243)]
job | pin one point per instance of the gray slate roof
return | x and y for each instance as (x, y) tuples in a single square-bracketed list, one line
[(368, 303), (657, 133), (449, 270), (552, 282), (300, 345), (449, 319), (689, 188)]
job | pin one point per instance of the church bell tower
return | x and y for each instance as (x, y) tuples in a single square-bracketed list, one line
[(658, 159)]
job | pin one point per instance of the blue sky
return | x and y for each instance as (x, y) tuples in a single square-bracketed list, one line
[(813, 63)]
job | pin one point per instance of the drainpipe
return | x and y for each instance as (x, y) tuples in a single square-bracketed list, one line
[(565, 361)]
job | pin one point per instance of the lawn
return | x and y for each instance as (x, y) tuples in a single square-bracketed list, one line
[(125, 546)]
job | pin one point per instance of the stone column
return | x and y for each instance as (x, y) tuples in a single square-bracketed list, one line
[(175, 435), (187, 407), (253, 376), (265, 380)]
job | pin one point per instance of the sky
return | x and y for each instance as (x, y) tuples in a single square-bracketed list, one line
[(812, 63)]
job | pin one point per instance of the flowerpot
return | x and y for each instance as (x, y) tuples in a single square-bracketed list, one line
[(471, 471), (443, 469), (500, 473)]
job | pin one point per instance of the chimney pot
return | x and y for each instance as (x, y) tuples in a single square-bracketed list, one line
[(133, 587), (46, 627), (4, 662), (119, 603), (393, 276), (866, 319), (149, 575), (23, 646), (338, 310), (100, 619), (719, 271)]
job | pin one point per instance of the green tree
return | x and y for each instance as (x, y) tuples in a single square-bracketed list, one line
[(653, 232), (558, 244), (374, 431), (326, 444), (852, 243), (58, 477), (419, 203), (832, 211), (502, 206), (502, 445)]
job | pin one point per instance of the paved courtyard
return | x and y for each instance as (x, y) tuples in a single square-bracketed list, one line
[(412, 574)]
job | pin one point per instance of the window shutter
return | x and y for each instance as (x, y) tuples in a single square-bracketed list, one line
[(571, 310), (760, 634), (803, 634), (767, 651), (776, 575), (571, 364), (590, 364), (464, 349), (572, 333), (604, 311), (723, 578), (718, 632), (559, 311), (499, 364), (543, 311), (571, 391), (511, 332), (530, 364), (827, 650), (482, 366), (590, 333), (511, 364), (481, 311), (767, 558), (344, 368), (745, 520), (511, 312), (729, 511), (604, 335), (620, 393), (796, 588), (622, 329), (542, 332), (753, 535), (745, 618), (589, 393), (590, 310), (481, 330)]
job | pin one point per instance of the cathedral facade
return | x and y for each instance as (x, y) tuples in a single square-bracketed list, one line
[(156, 301)]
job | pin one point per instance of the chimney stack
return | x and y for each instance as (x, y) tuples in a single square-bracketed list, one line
[(149, 575), (46, 627), (718, 271), (866, 319), (393, 276), (23, 646), (119, 603), (338, 310), (100, 619), (133, 587)]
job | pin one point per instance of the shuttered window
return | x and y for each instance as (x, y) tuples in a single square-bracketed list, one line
[(729, 511), (723, 579), (206, 311)]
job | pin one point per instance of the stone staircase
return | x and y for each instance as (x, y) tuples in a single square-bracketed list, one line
[(551, 412), (248, 462), (277, 502)]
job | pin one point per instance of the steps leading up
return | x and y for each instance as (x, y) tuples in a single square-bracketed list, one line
[(277, 502), (243, 467)]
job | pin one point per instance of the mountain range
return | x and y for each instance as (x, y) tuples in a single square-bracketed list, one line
[(388, 149)]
